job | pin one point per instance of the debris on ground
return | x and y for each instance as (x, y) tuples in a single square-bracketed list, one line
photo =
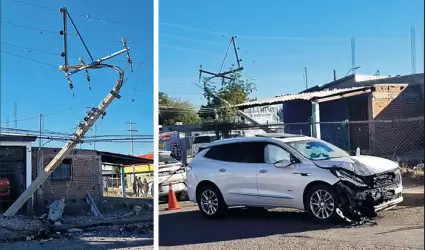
[(56, 209), (74, 230), (93, 207), (130, 221)]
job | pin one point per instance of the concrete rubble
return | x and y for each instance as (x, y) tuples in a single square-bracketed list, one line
[(127, 221)]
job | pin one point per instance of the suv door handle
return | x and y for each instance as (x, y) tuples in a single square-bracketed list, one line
[(222, 170), (263, 171)]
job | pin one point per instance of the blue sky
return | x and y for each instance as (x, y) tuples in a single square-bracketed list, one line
[(37, 88), (278, 39)]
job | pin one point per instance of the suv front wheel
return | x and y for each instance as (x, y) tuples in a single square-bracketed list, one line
[(321, 203), (211, 202)]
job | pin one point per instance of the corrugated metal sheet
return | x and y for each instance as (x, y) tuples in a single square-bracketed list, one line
[(301, 96)]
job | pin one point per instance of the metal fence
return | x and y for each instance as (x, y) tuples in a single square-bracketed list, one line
[(401, 140)]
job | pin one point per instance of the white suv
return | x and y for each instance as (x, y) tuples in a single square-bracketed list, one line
[(293, 171)]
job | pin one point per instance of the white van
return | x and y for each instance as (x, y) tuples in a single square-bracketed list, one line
[(201, 140)]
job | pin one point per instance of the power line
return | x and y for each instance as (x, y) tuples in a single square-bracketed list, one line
[(72, 34), (189, 50), (37, 117), (254, 37), (82, 15), (191, 39), (29, 59), (30, 49), (194, 29)]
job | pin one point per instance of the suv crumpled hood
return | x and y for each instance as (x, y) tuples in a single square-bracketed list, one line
[(363, 165)]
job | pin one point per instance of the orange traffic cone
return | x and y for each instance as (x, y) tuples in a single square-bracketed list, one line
[(172, 200)]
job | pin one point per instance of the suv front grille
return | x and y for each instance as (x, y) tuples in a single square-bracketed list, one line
[(387, 179)]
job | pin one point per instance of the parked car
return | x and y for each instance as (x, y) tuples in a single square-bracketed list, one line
[(4, 187), (173, 172), (293, 171), (201, 140)]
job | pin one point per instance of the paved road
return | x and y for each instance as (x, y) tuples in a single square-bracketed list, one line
[(400, 228)]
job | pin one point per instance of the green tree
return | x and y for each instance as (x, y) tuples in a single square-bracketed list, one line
[(222, 99), (172, 110), (116, 169)]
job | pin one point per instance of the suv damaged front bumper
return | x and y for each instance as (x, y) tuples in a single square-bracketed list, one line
[(361, 197)]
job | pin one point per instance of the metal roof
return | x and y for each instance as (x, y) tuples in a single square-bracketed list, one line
[(122, 159), (300, 96), (17, 137)]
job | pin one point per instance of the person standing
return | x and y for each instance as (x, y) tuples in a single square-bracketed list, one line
[(135, 187), (139, 187), (145, 186)]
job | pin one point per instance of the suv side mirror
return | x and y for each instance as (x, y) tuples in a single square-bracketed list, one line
[(283, 163)]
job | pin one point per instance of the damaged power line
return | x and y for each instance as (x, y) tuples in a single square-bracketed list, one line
[(88, 121)]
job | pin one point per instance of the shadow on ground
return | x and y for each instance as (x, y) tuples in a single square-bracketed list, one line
[(413, 200), (189, 227)]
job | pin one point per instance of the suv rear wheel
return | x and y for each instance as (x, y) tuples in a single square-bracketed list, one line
[(321, 203), (211, 202)]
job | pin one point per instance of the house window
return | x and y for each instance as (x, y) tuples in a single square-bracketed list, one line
[(63, 171)]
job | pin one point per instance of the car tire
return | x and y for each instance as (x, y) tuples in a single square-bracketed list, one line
[(321, 202), (211, 202)]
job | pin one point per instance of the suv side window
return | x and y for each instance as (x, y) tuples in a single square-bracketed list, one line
[(245, 152), (274, 153)]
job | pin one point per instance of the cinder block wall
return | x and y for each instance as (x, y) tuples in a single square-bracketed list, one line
[(392, 102), (85, 177)]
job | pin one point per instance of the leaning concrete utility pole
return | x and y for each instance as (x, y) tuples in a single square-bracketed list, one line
[(84, 125)]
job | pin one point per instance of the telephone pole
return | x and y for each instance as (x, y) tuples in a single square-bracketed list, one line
[(131, 130)]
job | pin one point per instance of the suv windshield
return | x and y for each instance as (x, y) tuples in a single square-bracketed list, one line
[(203, 139), (167, 159), (317, 149)]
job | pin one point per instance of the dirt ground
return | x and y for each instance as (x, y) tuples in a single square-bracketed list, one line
[(129, 226)]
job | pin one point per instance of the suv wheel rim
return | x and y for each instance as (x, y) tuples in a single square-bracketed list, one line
[(322, 204), (209, 202)]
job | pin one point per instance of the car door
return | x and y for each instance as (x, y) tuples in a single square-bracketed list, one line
[(235, 172), (276, 185)]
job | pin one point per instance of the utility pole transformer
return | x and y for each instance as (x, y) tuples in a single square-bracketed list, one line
[(84, 125)]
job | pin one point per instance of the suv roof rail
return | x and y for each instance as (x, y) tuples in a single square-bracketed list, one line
[(279, 135)]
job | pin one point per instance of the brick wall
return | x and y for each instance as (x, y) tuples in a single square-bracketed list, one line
[(85, 177), (391, 102)]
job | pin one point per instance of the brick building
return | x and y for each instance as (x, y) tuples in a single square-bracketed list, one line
[(373, 107), (79, 172)]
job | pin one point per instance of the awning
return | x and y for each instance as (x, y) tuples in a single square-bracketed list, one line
[(121, 159)]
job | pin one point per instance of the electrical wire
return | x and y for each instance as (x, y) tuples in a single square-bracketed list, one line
[(194, 29), (81, 15), (38, 117), (225, 56), (72, 34), (30, 49), (191, 39), (29, 59), (189, 50)]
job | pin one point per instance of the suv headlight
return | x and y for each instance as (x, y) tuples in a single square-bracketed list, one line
[(343, 175)]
